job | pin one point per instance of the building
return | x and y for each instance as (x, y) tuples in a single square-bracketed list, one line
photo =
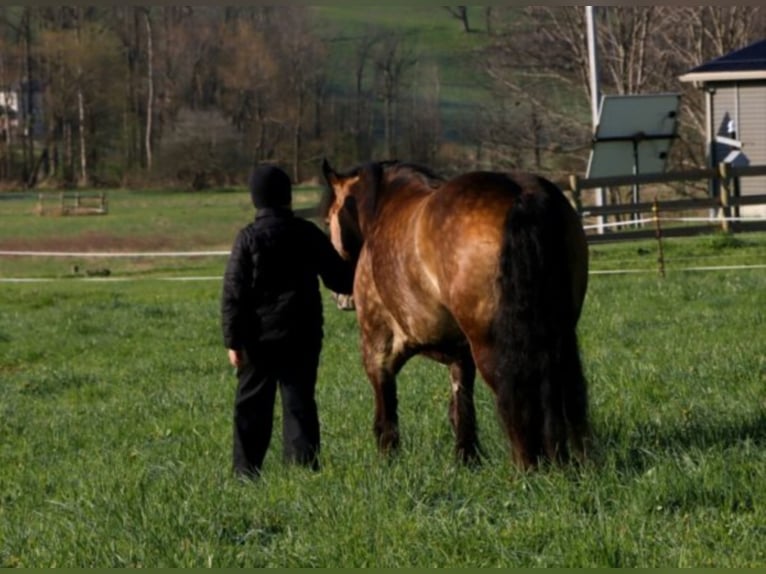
[(9, 111), (735, 96)]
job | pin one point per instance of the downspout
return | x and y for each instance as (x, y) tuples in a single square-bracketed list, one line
[(710, 137)]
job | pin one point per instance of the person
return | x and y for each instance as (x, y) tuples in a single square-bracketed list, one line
[(272, 322)]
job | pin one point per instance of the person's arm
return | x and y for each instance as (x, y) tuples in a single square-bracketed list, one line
[(337, 274), (236, 296), (235, 357)]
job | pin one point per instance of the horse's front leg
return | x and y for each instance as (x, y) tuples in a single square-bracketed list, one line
[(462, 411)]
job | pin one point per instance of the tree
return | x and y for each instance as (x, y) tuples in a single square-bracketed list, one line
[(248, 89), (363, 51), (9, 117), (695, 35), (393, 61), (422, 116), (81, 95), (302, 54), (461, 13), (150, 87), (641, 50)]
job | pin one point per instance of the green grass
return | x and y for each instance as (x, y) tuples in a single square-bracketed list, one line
[(116, 398), (115, 442), (179, 221), (138, 221)]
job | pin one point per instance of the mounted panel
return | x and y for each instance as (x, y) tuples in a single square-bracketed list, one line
[(634, 134)]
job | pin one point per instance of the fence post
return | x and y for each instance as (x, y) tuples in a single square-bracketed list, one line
[(725, 196), (658, 235), (574, 185)]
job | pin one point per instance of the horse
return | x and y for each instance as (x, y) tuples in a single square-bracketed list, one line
[(484, 271)]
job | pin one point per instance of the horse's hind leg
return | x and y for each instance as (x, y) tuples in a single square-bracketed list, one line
[(386, 422), (576, 407), (462, 411)]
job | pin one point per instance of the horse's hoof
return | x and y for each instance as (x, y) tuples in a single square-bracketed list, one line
[(388, 441), (468, 456)]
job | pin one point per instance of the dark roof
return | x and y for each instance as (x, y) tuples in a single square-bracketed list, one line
[(749, 58), (748, 63)]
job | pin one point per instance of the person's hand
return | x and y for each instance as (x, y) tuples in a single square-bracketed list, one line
[(235, 358)]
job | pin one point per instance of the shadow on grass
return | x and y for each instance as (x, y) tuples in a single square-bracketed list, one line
[(639, 448)]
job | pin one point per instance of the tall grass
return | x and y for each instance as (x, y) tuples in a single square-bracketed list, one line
[(115, 409), (116, 401)]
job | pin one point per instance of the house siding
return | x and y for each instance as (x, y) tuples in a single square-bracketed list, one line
[(745, 103), (752, 126)]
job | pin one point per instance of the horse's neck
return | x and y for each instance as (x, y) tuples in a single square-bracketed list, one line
[(393, 194)]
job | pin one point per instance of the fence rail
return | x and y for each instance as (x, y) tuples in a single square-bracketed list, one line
[(725, 208), (72, 203)]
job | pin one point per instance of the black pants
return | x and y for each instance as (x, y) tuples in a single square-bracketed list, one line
[(292, 368)]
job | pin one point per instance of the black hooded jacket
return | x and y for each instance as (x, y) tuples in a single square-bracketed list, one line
[(271, 287)]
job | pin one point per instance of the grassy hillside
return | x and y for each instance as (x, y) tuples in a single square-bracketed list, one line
[(444, 52), (452, 64)]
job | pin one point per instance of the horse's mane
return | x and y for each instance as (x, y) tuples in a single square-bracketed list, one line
[(405, 172), (399, 173)]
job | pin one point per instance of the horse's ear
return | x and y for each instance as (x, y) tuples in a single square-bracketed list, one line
[(328, 172)]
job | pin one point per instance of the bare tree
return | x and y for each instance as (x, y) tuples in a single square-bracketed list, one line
[(534, 77), (461, 13), (423, 116), (81, 58), (488, 19), (303, 55), (79, 81), (28, 96), (693, 35), (641, 50), (9, 117), (248, 83), (393, 61), (150, 87), (364, 49)]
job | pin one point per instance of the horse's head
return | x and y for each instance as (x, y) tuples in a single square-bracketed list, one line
[(353, 198), (345, 198)]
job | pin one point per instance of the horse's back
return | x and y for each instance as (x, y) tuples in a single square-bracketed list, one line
[(434, 254)]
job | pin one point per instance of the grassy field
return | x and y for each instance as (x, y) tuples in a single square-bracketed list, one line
[(115, 415), (447, 61)]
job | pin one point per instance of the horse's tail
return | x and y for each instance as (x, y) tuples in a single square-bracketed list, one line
[(541, 390)]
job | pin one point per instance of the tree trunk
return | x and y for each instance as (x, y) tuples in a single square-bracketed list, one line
[(6, 125), (68, 153), (81, 129), (488, 19), (150, 95), (461, 13), (388, 121), (29, 116), (297, 130), (81, 110)]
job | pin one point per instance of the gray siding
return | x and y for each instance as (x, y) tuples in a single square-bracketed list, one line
[(752, 127), (745, 103)]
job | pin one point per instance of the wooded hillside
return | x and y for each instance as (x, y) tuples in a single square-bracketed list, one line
[(192, 96)]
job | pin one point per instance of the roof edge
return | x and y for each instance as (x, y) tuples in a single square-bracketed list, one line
[(706, 77)]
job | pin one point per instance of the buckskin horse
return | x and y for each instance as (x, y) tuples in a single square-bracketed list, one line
[(484, 271)]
